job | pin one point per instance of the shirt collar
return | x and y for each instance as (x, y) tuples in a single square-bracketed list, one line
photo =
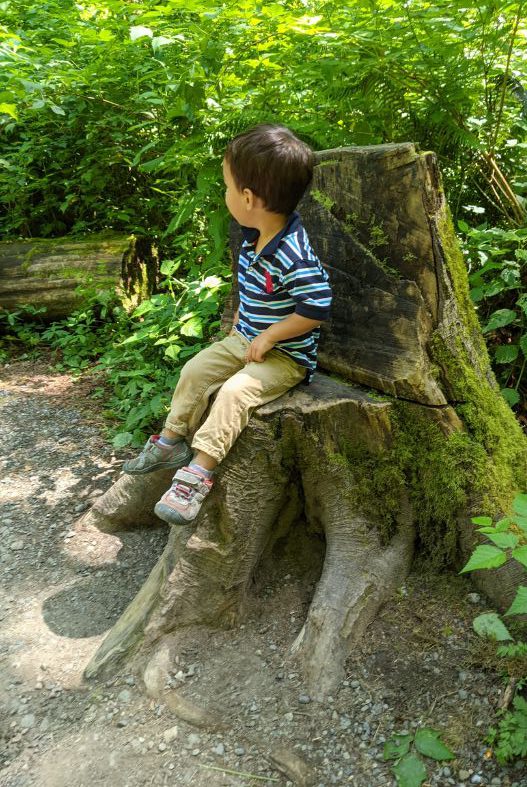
[(250, 234)]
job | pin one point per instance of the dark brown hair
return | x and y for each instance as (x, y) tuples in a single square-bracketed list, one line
[(271, 161)]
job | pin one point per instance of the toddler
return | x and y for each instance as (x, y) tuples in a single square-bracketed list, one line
[(284, 296)]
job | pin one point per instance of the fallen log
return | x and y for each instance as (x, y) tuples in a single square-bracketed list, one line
[(53, 273)]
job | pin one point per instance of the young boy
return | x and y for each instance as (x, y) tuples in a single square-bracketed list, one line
[(284, 297)]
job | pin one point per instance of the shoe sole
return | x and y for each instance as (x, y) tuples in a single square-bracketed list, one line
[(159, 466), (173, 465), (170, 516)]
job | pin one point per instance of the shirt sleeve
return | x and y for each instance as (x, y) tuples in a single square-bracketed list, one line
[(308, 284)]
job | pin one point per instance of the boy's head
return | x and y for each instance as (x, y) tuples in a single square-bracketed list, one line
[(272, 163)]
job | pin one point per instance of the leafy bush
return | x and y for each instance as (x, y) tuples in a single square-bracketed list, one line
[(509, 542), (22, 326), (497, 264), (140, 355), (115, 114), (410, 769)]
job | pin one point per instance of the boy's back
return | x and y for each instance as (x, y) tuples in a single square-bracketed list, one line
[(285, 277)]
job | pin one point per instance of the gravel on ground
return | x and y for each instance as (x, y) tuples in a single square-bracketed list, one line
[(62, 588)]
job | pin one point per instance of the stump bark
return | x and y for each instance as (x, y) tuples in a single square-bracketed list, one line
[(401, 438), (43, 272)]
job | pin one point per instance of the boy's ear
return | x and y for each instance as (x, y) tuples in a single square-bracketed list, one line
[(251, 199)]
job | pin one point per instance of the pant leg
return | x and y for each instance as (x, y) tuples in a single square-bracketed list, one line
[(200, 377), (254, 385)]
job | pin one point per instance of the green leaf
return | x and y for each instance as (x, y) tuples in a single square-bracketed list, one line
[(121, 439), (521, 521), (506, 353), (482, 520), (523, 344), (428, 742), (396, 747), (491, 625), (499, 318), (510, 395), (193, 327), (519, 605), (140, 32), (504, 540), (143, 308), (172, 351), (520, 554), (519, 505), (9, 109), (485, 557), (410, 771)]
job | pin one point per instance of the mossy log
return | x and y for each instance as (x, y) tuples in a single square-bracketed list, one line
[(402, 437), (51, 273)]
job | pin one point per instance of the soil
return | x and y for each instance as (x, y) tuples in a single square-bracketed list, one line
[(63, 588)]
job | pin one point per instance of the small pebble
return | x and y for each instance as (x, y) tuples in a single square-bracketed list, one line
[(170, 735), (27, 721)]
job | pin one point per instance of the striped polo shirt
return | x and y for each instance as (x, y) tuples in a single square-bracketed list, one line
[(285, 277)]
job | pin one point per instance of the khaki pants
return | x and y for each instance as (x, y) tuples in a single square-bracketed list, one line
[(240, 388)]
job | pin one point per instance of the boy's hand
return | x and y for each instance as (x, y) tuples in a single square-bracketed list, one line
[(257, 348)]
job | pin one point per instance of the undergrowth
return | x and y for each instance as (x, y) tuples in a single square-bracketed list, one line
[(136, 356)]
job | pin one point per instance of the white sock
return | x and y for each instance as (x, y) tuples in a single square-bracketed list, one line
[(168, 442), (201, 470)]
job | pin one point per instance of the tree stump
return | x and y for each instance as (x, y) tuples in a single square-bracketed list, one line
[(401, 438), (48, 272)]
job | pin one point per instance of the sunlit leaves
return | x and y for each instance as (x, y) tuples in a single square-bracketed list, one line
[(140, 32), (490, 625)]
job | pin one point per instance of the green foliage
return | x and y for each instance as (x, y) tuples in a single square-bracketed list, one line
[(497, 264), (410, 770), (116, 113), (510, 738), (140, 354), (20, 327), (510, 537)]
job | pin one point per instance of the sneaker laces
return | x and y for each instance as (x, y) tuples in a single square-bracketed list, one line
[(181, 491)]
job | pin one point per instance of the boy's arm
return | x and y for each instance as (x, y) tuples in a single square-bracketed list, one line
[(288, 328)]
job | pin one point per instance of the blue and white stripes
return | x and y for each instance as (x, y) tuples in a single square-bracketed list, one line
[(284, 277)]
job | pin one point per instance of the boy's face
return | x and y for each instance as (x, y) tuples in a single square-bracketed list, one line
[(238, 202)]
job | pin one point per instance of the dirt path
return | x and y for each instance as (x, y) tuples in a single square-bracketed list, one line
[(62, 589)]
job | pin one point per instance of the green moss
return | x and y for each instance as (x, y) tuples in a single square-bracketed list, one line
[(437, 471), (378, 236), (388, 269), (443, 474), (488, 418), (328, 162), (322, 199)]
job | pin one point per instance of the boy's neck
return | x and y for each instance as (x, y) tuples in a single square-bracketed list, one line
[(269, 226)]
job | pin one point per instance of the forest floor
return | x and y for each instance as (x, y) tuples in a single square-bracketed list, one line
[(62, 588)]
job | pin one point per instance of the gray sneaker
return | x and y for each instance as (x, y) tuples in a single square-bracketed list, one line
[(155, 457), (181, 503)]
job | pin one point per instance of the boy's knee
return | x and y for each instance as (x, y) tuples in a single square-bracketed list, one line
[(192, 369), (239, 386)]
